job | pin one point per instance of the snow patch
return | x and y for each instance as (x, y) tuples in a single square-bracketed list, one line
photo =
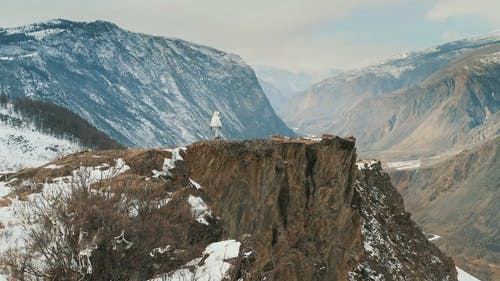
[(404, 165), (212, 268), (493, 58), (366, 164), (434, 237), (199, 209), (41, 34), (169, 163), (195, 184)]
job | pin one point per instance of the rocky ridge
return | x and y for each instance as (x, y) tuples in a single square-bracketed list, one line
[(424, 102), (394, 244), (276, 203)]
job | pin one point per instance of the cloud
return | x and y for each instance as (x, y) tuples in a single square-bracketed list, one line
[(279, 32), (484, 9)]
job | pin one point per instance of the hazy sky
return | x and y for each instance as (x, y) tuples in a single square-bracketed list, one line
[(292, 34)]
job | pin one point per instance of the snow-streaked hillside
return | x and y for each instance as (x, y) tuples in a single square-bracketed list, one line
[(22, 145), (141, 90), (329, 105)]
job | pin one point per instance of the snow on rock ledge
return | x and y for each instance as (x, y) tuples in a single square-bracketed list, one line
[(212, 266), (199, 209)]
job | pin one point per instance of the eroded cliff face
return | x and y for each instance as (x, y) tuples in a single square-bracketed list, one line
[(290, 199), (284, 209)]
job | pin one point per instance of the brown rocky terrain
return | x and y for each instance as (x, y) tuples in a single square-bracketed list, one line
[(458, 199), (395, 245), (300, 209)]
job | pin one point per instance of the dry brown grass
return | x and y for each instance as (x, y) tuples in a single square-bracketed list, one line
[(5, 202)]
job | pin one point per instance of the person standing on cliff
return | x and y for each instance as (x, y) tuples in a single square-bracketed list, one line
[(216, 124)]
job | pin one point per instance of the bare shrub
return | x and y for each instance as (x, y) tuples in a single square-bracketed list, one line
[(95, 232)]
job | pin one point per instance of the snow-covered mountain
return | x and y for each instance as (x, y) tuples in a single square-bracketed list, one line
[(141, 90), (349, 103)]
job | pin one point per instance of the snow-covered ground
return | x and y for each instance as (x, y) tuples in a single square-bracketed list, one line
[(22, 146), (11, 234), (212, 268)]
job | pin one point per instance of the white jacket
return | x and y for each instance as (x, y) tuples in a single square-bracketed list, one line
[(216, 123)]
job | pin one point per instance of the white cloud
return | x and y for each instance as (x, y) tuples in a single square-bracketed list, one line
[(485, 9)]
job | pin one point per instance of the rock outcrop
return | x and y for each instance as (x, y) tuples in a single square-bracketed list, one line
[(396, 248), (292, 198), (299, 209)]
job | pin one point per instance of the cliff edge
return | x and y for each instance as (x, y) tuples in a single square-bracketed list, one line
[(270, 209)]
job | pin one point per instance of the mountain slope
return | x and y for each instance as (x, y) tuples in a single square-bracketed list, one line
[(23, 146), (454, 107), (282, 86), (33, 133), (458, 199), (384, 103), (141, 90), (273, 94), (286, 209)]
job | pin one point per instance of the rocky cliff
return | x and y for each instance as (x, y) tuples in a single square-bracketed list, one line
[(274, 209), (394, 244), (141, 90), (293, 199)]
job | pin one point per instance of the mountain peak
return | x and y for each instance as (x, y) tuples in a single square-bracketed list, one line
[(40, 30), (98, 70)]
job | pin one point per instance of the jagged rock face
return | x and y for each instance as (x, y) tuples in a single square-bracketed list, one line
[(141, 90), (396, 249), (295, 205), (292, 198)]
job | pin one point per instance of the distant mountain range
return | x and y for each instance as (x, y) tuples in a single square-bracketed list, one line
[(282, 86), (417, 103), (139, 89)]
